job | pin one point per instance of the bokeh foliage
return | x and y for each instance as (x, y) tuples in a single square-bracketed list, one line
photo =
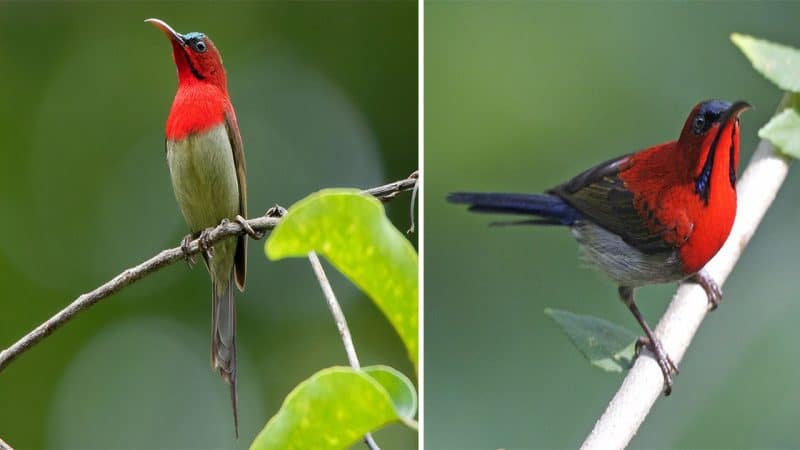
[(521, 96), (325, 95)]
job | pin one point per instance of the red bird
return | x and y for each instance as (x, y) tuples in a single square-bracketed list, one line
[(207, 168), (654, 216)]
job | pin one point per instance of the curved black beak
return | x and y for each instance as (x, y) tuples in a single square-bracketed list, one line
[(168, 30), (734, 110), (732, 113)]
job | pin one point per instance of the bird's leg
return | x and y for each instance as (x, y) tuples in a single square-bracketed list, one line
[(713, 291), (247, 228), (185, 249), (668, 368)]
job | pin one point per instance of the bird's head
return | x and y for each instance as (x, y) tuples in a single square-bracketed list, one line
[(711, 129), (196, 57)]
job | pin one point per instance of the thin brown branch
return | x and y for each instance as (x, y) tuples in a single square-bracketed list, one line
[(413, 208), (336, 310), (162, 259), (341, 325)]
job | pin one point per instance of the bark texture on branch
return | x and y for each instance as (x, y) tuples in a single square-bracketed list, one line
[(162, 259)]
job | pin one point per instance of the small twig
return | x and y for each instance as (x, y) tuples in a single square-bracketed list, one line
[(370, 441), (164, 258), (341, 324), (4, 446), (336, 310), (413, 201), (389, 191), (643, 385)]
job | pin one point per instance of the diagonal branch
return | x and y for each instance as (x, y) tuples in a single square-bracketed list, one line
[(341, 325), (162, 259), (336, 310), (756, 190)]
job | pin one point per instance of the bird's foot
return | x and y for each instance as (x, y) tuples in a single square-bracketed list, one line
[(713, 291), (247, 228), (206, 246), (668, 368), (185, 249), (276, 211)]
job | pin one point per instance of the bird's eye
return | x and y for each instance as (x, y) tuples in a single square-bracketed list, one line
[(200, 46), (699, 124)]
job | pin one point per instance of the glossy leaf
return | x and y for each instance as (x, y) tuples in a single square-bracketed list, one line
[(783, 131), (778, 63), (337, 406), (399, 388), (605, 344), (352, 231)]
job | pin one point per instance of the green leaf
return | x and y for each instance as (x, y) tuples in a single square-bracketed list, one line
[(352, 231), (783, 130), (606, 345), (399, 388), (780, 64), (337, 406)]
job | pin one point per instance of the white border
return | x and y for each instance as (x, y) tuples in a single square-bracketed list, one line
[(421, 217)]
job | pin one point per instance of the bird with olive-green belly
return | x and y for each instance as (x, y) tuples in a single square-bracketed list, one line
[(206, 165)]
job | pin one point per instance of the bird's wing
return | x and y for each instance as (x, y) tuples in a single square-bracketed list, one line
[(240, 260), (601, 195)]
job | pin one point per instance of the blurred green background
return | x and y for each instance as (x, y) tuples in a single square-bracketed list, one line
[(326, 95), (522, 96)]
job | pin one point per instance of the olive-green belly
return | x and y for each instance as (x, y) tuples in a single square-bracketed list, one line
[(204, 179)]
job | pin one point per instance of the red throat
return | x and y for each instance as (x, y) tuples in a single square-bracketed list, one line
[(197, 107), (665, 177)]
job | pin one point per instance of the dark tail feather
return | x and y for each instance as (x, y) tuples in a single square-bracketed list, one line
[(223, 340), (551, 209)]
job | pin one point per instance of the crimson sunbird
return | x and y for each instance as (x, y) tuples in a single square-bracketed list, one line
[(654, 216), (206, 165)]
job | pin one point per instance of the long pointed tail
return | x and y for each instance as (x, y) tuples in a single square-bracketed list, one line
[(223, 339), (551, 209)]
